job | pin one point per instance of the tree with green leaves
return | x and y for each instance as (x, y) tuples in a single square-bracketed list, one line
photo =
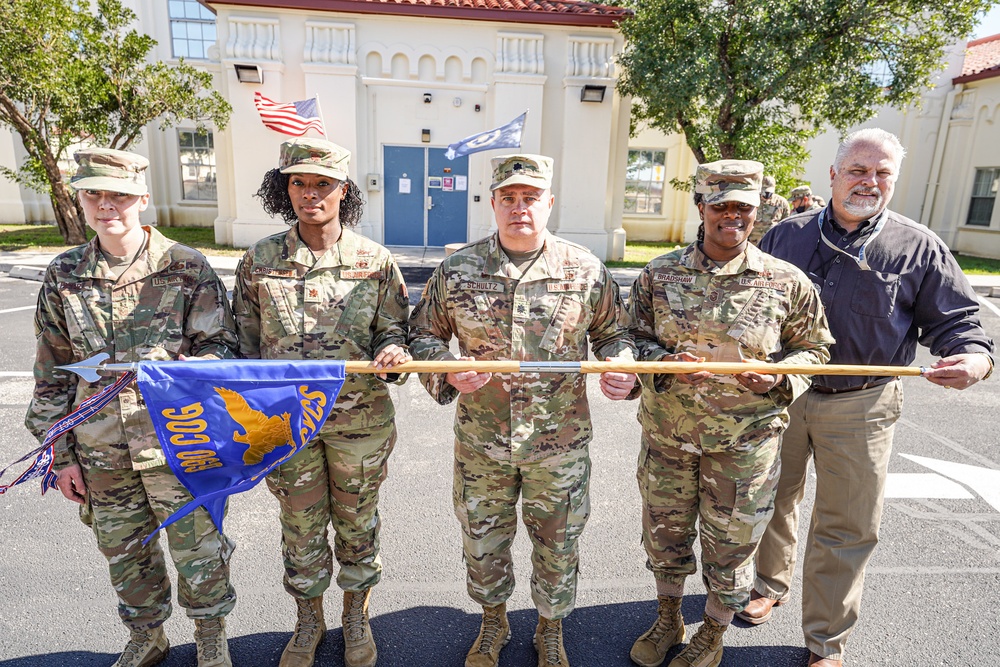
[(754, 79), (75, 72)]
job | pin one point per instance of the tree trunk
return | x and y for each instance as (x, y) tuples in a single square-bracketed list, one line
[(69, 216)]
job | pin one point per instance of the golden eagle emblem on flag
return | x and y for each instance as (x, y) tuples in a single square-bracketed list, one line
[(261, 433)]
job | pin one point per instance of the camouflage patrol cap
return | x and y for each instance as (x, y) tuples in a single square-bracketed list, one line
[(535, 170), (314, 156), (768, 184), (729, 180), (800, 192), (110, 170)]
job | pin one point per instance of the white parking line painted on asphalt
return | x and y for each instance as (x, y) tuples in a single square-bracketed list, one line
[(16, 374), (14, 310), (984, 481), (922, 485), (988, 304), (948, 442)]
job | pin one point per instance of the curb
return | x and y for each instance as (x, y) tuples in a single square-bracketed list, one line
[(25, 272)]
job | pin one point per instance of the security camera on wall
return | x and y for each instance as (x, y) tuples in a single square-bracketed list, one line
[(427, 98)]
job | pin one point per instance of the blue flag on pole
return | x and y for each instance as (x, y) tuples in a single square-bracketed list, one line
[(224, 425), (505, 136)]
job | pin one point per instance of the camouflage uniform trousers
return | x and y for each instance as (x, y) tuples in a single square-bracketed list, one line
[(335, 479), (731, 490), (555, 506), (123, 507)]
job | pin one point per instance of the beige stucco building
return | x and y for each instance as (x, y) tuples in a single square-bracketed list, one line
[(398, 81)]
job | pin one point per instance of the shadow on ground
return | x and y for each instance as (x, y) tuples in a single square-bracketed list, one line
[(440, 636)]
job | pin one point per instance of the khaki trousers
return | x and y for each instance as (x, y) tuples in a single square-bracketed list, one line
[(849, 437)]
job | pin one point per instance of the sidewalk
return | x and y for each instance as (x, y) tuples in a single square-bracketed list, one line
[(416, 263)]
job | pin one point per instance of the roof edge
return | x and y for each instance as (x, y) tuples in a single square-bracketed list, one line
[(982, 40), (423, 11), (978, 76)]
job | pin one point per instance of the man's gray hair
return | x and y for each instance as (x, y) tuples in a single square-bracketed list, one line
[(870, 135)]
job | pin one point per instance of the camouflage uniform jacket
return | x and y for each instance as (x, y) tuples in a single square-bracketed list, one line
[(546, 315), (769, 213), (346, 305), (168, 303), (756, 307)]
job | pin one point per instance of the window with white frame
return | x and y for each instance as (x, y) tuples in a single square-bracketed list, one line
[(192, 29), (197, 153), (644, 178), (984, 195)]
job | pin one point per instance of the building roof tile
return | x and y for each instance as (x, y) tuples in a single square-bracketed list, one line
[(982, 60), (564, 12)]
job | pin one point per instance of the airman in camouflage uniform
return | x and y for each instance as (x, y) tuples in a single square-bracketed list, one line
[(526, 295), (801, 199), (321, 291), (136, 295), (773, 209), (710, 443)]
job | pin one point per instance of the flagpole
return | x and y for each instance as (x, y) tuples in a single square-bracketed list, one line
[(89, 367), (319, 109)]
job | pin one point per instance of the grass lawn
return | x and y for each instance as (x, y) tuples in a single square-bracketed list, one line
[(46, 238), (638, 254)]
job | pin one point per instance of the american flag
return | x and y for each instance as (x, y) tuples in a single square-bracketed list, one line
[(295, 118)]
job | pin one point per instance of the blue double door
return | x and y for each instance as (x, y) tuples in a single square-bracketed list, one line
[(426, 196)]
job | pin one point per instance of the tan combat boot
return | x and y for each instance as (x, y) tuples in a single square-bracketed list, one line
[(494, 633), (210, 639), (650, 650), (705, 649), (359, 645), (549, 643), (310, 629), (144, 648)]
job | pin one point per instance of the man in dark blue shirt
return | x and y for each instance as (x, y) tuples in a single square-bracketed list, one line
[(887, 284)]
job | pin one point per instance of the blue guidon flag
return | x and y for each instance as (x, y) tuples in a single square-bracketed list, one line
[(505, 136), (224, 425)]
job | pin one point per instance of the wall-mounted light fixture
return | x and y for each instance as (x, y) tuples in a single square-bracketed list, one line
[(592, 93), (249, 73), (427, 98), (425, 136)]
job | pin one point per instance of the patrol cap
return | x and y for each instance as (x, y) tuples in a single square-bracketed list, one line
[(534, 170), (768, 184), (819, 201), (801, 191), (307, 155), (729, 180), (110, 170)]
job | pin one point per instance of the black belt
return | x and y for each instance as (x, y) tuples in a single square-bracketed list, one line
[(830, 390)]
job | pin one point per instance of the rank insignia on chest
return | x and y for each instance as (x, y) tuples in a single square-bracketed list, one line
[(673, 278), (521, 308), (362, 264), (277, 273)]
